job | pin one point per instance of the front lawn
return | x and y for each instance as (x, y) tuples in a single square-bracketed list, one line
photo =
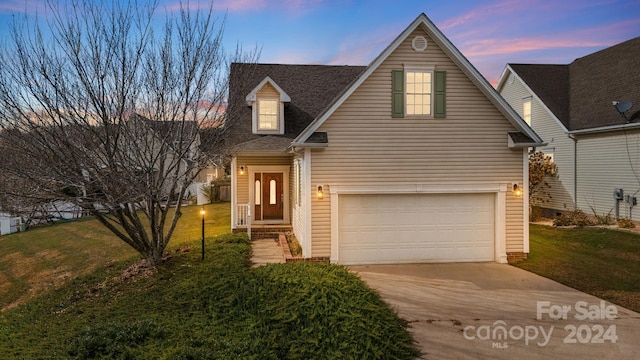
[(601, 262), (45, 258), (219, 308)]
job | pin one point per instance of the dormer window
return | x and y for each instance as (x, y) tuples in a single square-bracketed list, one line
[(267, 107), (268, 114)]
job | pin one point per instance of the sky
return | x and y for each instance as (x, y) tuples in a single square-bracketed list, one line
[(490, 33)]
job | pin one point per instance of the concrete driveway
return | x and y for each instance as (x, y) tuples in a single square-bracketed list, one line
[(495, 311)]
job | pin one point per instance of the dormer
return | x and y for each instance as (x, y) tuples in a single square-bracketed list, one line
[(267, 107)]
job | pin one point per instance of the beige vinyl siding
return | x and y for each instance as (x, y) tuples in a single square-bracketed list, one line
[(607, 161), (248, 161), (561, 189), (367, 146), (515, 213), (268, 91)]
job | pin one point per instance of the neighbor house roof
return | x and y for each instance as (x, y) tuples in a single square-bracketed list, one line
[(311, 88), (551, 84), (580, 94)]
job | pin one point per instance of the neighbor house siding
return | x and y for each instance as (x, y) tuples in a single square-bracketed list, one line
[(561, 191), (369, 147), (607, 161)]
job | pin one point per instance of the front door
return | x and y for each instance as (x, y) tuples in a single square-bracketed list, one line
[(272, 196)]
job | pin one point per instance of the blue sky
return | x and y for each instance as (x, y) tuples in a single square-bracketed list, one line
[(352, 32)]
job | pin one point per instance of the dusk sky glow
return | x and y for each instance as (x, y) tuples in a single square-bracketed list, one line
[(349, 32)]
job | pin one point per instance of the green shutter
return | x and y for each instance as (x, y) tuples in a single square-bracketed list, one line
[(397, 93), (440, 106)]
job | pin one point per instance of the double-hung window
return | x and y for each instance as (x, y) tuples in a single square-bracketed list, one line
[(418, 91), (268, 117)]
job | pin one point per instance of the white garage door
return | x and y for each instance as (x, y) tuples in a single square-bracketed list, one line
[(407, 228)]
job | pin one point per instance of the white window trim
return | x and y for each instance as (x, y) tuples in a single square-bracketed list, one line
[(421, 68), (297, 182), (285, 190), (255, 122)]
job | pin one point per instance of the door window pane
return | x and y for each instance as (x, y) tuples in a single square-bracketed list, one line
[(257, 191), (272, 192)]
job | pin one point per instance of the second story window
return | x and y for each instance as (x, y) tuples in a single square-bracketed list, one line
[(526, 110), (268, 117), (267, 101), (418, 92)]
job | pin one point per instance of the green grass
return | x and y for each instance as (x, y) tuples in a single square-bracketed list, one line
[(602, 262), (45, 258), (219, 308), (189, 309)]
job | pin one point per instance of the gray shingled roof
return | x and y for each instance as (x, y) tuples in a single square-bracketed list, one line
[(269, 143), (520, 138), (311, 87), (580, 94), (551, 84)]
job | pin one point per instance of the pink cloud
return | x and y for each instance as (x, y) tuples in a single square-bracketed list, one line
[(601, 36), (220, 5), (291, 6), (485, 11)]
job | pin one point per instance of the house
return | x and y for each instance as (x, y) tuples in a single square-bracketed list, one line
[(414, 158), (595, 147)]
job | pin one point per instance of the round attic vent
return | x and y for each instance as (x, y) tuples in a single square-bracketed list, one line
[(419, 43)]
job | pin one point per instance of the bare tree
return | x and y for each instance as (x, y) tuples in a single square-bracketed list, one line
[(103, 107)]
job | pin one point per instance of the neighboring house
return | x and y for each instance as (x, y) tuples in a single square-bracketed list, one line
[(414, 158), (596, 149), (9, 224), (176, 148)]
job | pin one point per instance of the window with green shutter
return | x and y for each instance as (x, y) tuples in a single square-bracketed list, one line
[(397, 93), (440, 88), (418, 92)]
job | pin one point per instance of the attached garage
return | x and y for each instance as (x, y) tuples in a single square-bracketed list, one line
[(414, 228)]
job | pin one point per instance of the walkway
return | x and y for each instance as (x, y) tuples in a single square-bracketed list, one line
[(266, 251)]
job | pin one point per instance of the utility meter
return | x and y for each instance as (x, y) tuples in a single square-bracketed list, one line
[(618, 194)]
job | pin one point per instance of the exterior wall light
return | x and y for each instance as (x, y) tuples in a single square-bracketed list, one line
[(320, 192), (517, 191), (242, 169)]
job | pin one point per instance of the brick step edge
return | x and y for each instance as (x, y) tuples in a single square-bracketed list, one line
[(288, 258)]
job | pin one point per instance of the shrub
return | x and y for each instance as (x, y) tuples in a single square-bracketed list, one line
[(294, 245), (113, 340), (541, 168), (573, 218), (604, 219), (625, 223), (535, 214)]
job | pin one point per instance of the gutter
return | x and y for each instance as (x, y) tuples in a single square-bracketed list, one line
[(309, 145), (605, 129)]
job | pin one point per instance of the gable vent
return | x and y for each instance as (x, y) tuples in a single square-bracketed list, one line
[(419, 43)]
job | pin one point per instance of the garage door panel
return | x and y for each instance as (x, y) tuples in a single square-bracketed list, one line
[(416, 228)]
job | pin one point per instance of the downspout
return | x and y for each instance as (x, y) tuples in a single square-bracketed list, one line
[(575, 171)]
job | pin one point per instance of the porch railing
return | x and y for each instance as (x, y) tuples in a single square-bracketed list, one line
[(243, 217)]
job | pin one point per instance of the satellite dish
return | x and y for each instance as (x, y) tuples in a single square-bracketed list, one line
[(623, 106)]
